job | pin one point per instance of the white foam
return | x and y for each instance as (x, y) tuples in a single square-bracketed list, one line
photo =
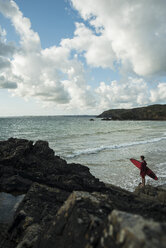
[(160, 165), (112, 147)]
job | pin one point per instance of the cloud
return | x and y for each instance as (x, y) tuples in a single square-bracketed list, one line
[(159, 93), (7, 50), (128, 35), (127, 94), (96, 49), (131, 33), (7, 84), (29, 39), (50, 75)]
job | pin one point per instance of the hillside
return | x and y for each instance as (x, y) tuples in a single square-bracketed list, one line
[(153, 112)]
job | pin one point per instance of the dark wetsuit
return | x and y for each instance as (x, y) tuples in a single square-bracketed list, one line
[(143, 169)]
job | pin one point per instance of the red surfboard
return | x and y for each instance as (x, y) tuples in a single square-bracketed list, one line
[(149, 172)]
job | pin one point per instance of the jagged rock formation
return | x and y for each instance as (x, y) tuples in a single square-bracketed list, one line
[(22, 163), (153, 112), (65, 206)]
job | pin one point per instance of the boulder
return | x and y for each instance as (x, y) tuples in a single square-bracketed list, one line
[(128, 230), (78, 222)]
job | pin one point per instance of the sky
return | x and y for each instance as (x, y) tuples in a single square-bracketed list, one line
[(63, 57)]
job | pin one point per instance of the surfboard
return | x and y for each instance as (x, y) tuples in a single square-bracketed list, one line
[(149, 172)]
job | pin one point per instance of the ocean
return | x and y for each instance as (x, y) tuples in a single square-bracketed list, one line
[(104, 146)]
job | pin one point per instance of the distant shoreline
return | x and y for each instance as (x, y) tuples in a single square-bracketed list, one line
[(155, 112)]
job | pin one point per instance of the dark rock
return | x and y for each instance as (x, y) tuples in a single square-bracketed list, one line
[(153, 112), (79, 220), (37, 209), (153, 193), (15, 184), (95, 215), (5, 242), (106, 119), (85, 221), (163, 187), (128, 230), (133, 203), (22, 163)]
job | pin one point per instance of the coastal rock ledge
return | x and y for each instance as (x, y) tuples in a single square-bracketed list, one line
[(64, 206)]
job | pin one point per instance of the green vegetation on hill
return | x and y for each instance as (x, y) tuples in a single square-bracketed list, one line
[(153, 112)]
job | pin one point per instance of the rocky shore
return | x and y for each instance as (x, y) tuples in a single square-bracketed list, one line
[(63, 205), (155, 112)]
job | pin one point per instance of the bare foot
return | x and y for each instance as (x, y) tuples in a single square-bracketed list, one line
[(142, 185)]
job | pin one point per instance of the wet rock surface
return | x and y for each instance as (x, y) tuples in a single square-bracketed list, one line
[(65, 206)]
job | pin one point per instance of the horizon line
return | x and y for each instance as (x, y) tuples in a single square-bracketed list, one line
[(74, 115)]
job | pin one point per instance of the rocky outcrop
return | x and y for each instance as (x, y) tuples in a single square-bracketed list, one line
[(106, 119), (149, 192), (35, 212), (153, 112), (79, 220), (128, 230), (49, 217), (65, 206), (22, 163)]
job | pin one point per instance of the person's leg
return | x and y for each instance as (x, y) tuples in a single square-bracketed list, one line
[(143, 181)]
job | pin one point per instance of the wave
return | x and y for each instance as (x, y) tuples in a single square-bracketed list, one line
[(77, 135), (112, 147), (160, 165)]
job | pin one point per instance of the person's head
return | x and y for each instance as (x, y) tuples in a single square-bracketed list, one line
[(142, 157)]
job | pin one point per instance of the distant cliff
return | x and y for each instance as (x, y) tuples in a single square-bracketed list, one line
[(153, 112)]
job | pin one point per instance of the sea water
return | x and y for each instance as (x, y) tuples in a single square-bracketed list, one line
[(8, 206), (104, 146)]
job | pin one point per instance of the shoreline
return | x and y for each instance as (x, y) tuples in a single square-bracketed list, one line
[(65, 201)]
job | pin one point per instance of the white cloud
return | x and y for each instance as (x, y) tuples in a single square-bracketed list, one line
[(127, 94), (29, 39), (96, 49), (44, 73), (159, 93), (6, 51), (135, 31), (128, 34)]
